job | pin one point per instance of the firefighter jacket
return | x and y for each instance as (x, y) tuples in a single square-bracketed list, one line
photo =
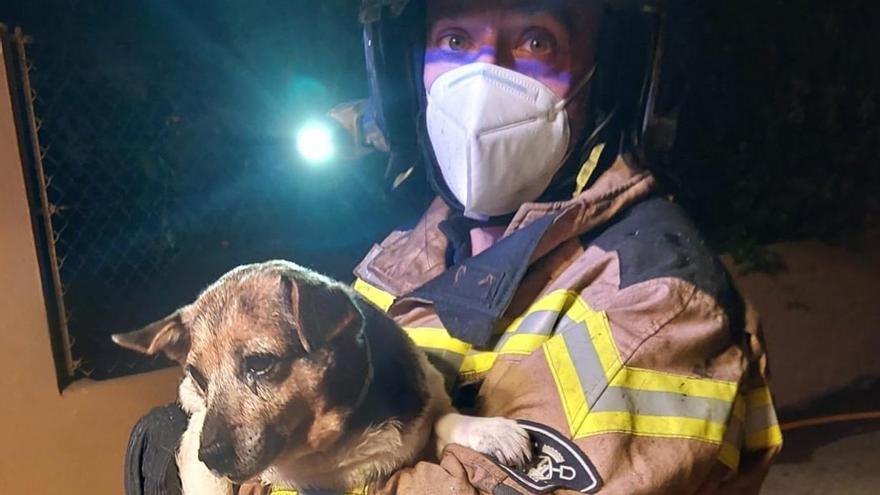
[(607, 327)]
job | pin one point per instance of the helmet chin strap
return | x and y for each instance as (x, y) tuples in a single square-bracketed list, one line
[(578, 88)]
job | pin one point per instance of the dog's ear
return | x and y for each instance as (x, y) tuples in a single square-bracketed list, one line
[(168, 335), (322, 311)]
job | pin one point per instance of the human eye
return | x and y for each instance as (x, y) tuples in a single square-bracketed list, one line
[(538, 43), (455, 42)]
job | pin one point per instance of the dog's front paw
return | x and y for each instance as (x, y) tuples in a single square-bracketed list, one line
[(500, 438)]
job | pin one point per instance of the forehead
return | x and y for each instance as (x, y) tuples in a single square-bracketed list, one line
[(244, 292), (570, 13), (243, 307)]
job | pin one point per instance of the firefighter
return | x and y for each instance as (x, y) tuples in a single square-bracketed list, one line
[(549, 280)]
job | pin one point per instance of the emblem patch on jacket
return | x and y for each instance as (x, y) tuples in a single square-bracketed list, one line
[(557, 463)]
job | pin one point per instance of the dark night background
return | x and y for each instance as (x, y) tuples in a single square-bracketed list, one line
[(168, 126)]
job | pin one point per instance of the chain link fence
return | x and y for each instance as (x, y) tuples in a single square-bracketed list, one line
[(165, 158)]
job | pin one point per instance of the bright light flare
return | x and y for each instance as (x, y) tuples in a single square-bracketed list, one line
[(314, 142)]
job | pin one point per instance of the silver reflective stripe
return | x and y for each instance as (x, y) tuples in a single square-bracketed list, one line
[(586, 361), (539, 323), (734, 434), (760, 418), (652, 403), (732, 443), (447, 362)]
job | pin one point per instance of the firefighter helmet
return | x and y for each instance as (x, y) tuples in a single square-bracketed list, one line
[(620, 100)]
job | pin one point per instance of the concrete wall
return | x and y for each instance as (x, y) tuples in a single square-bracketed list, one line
[(49, 442), (821, 317)]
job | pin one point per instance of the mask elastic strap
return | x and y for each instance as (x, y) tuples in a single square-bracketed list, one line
[(567, 101), (562, 105)]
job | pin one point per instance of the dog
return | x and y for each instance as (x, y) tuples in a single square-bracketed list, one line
[(295, 380)]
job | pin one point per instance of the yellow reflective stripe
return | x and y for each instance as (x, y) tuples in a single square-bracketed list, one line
[(762, 426), (600, 333), (375, 295), (557, 301), (576, 404), (616, 414), (654, 426), (574, 400), (437, 338), (739, 408), (656, 381), (514, 326), (523, 344), (763, 439), (759, 397), (731, 450), (478, 362), (588, 168), (482, 362), (729, 456)]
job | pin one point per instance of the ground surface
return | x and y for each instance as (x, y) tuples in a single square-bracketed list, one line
[(830, 460)]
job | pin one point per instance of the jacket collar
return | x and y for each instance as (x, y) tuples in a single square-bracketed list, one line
[(471, 296)]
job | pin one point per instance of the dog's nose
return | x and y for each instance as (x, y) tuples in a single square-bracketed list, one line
[(218, 455)]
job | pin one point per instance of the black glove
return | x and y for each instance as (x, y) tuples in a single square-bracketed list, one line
[(150, 465)]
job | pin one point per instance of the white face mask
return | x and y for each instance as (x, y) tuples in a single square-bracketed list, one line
[(499, 136)]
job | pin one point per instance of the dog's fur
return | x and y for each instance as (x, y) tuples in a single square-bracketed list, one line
[(295, 380)]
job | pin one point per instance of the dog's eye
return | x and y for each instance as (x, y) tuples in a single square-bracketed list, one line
[(260, 365), (197, 377)]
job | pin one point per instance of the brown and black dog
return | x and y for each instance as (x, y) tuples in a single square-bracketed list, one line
[(295, 380)]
